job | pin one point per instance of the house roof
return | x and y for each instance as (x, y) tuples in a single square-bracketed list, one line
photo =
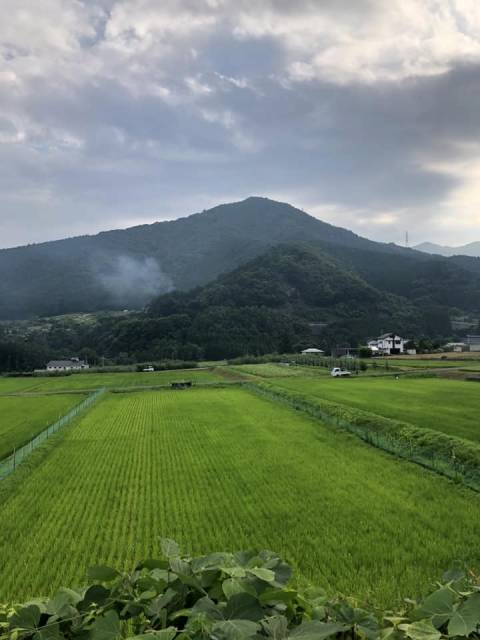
[(64, 363), (312, 350), (388, 335)]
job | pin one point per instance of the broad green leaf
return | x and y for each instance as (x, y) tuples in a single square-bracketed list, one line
[(107, 627), (283, 573), (235, 630), (170, 548), (212, 562), (26, 617), (96, 594), (208, 607), (235, 572), (466, 618), (438, 606), (161, 602), (50, 632), (60, 600), (232, 586), (316, 630), (263, 574), (180, 566), (367, 624), (103, 574), (244, 606), (163, 634), (421, 630), (276, 627)]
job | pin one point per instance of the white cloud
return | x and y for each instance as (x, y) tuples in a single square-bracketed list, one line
[(114, 106), (371, 41)]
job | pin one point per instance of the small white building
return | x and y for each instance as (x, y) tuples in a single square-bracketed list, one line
[(457, 347), (473, 343), (72, 364), (388, 344), (312, 352)]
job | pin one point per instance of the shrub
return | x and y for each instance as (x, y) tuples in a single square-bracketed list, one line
[(230, 596)]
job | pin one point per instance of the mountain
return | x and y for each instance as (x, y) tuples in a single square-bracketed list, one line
[(472, 249), (127, 268)]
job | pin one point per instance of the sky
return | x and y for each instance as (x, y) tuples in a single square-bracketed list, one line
[(364, 113)]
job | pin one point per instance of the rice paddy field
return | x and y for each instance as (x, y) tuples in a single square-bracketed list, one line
[(450, 406), (422, 363), (221, 468), (21, 419), (277, 370), (89, 381)]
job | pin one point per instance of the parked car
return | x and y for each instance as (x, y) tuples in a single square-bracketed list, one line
[(336, 372)]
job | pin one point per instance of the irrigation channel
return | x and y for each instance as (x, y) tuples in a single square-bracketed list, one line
[(8, 465)]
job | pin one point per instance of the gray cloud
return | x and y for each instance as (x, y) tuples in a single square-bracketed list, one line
[(365, 113)]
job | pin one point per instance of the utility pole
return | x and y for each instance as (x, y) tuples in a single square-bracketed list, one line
[(406, 239)]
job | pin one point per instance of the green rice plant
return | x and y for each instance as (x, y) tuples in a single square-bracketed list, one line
[(449, 406), (456, 458), (223, 468), (22, 418), (90, 381)]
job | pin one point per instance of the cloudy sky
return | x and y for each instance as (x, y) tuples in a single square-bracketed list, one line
[(364, 113)]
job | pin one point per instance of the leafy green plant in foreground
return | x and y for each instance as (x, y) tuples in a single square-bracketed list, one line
[(225, 596)]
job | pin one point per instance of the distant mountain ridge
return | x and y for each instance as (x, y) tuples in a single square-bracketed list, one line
[(128, 268), (472, 249)]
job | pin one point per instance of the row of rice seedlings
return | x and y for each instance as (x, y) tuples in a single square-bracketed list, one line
[(222, 469)]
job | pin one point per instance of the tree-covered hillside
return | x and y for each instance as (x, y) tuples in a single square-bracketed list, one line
[(267, 305), (127, 268)]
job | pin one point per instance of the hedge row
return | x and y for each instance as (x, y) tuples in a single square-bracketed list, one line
[(454, 457)]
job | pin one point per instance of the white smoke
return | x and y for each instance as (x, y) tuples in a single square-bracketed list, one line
[(134, 281)]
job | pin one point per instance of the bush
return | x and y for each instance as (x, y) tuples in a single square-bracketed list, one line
[(230, 596)]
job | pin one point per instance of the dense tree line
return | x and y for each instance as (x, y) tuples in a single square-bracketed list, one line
[(264, 306)]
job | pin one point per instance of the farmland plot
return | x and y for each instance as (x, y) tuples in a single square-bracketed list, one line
[(450, 406), (21, 419), (276, 370), (90, 381), (223, 469)]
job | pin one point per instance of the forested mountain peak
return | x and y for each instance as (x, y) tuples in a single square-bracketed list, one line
[(128, 268)]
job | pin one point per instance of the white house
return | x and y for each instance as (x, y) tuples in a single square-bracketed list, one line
[(312, 352), (388, 344), (457, 347), (473, 343), (73, 364)]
